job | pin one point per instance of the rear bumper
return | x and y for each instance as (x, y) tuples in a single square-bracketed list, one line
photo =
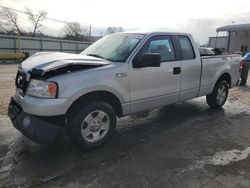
[(34, 127)]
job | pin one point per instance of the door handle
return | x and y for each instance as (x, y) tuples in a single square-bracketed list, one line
[(176, 70)]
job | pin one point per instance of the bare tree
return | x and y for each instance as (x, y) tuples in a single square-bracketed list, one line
[(9, 21), (36, 19), (110, 30), (74, 31), (2, 28)]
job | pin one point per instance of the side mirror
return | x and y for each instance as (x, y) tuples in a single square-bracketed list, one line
[(148, 60)]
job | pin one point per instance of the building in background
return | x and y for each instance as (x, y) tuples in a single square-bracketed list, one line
[(236, 40), (30, 45), (217, 42)]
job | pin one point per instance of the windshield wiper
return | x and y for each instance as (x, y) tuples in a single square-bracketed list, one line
[(99, 56), (96, 55)]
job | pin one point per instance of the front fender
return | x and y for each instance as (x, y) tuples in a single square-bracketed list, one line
[(96, 88)]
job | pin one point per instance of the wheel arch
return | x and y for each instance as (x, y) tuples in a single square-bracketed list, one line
[(225, 76), (103, 96)]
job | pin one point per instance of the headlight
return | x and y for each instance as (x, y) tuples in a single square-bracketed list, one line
[(43, 89)]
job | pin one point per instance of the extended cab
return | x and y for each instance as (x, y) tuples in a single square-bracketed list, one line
[(118, 75)]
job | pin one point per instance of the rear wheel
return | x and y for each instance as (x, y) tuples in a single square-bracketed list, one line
[(93, 125), (219, 96)]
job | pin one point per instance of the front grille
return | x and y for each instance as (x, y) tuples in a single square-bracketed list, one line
[(21, 82)]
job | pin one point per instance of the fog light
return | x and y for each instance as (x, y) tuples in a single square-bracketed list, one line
[(26, 122)]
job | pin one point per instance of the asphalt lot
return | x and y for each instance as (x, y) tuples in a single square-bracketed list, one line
[(182, 145)]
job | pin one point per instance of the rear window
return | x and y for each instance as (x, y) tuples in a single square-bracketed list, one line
[(187, 50)]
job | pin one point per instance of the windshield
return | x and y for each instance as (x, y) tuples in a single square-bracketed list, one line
[(114, 47)]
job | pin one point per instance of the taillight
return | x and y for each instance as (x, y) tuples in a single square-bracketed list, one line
[(241, 65)]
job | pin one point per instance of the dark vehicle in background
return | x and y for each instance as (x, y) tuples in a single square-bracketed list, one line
[(244, 66)]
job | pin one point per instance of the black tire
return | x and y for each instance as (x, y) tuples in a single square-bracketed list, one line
[(213, 99), (79, 127)]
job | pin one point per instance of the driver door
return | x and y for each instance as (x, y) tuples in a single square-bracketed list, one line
[(155, 86)]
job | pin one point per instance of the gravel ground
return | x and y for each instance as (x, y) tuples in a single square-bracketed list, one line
[(7, 85), (182, 145)]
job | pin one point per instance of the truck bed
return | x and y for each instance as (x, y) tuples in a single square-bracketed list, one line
[(213, 66)]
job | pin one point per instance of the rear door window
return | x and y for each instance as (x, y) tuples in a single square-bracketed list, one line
[(187, 51)]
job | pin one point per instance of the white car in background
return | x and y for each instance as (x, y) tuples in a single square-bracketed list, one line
[(206, 51)]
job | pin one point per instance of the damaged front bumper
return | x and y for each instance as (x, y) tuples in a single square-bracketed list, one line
[(39, 129)]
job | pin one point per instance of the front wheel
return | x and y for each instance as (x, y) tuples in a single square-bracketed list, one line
[(93, 125), (219, 95)]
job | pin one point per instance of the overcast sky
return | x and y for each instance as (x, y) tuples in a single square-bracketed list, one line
[(201, 18)]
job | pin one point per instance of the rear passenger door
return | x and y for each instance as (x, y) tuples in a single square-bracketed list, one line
[(155, 86), (190, 67)]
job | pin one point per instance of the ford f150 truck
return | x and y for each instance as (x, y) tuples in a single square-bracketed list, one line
[(118, 75)]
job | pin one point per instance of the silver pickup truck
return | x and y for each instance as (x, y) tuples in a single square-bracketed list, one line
[(118, 75)]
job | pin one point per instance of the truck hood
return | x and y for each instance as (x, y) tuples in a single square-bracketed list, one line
[(44, 62)]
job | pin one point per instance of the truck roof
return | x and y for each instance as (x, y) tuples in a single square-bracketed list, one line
[(157, 32)]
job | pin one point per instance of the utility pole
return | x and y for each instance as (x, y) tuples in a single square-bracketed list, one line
[(18, 41), (90, 32)]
